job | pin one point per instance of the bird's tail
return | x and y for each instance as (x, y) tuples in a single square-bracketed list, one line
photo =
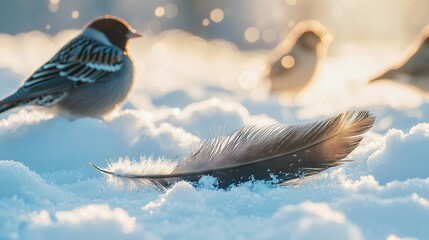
[(383, 76), (6, 106)]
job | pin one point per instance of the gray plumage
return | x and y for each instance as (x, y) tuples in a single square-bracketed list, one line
[(275, 152), (89, 77), (97, 99), (413, 69)]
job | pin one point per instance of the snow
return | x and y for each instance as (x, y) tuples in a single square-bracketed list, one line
[(189, 89)]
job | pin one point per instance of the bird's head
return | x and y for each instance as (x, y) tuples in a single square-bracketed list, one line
[(311, 33), (309, 40), (116, 30)]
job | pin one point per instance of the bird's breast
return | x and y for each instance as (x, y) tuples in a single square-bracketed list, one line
[(100, 98)]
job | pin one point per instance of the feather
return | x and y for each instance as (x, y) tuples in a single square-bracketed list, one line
[(5, 107), (274, 153)]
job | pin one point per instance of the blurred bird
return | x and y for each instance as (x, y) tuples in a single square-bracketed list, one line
[(413, 69), (293, 63), (88, 77)]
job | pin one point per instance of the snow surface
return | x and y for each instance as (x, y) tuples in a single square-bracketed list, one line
[(189, 89)]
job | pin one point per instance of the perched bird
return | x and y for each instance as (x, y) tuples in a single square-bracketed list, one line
[(294, 62), (273, 153), (89, 77), (413, 69)]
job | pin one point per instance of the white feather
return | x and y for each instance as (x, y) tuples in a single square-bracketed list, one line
[(146, 166)]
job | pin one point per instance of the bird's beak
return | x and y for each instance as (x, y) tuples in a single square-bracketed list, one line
[(133, 34)]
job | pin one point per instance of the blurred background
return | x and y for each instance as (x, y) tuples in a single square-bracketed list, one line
[(249, 24), (228, 58)]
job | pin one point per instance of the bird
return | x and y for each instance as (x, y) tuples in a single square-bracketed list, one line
[(273, 153), (89, 77), (293, 63), (413, 69)]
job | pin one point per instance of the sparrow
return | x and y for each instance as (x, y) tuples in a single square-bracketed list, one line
[(293, 63), (89, 77), (413, 69)]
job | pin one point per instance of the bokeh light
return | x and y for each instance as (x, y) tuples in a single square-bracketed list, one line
[(288, 61), (53, 5), (269, 35), (205, 22), (291, 2), (251, 34), (216, 15), (75, 14), (171, 11), (159, 11)]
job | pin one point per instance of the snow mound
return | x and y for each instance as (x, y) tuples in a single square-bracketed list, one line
[(403, 155), (94, 221), (17, 181), (48, 190)]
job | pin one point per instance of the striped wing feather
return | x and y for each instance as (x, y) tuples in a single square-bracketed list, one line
[(82, 61)]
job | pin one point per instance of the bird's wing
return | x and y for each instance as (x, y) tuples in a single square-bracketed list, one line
[(82, 61), (417, 62), (414, 64)]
